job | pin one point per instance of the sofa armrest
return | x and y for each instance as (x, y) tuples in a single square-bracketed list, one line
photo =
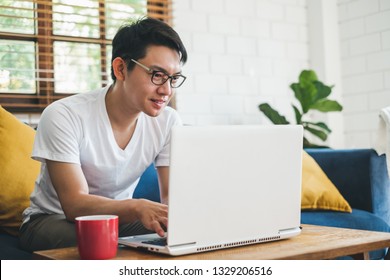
[(361, 177)]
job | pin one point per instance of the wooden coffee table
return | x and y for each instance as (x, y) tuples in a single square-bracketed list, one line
[(315, 242)]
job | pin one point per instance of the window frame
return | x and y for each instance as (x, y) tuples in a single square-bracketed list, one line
[(44, 40)]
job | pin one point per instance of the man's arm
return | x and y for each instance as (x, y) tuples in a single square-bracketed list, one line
[(72, 190)]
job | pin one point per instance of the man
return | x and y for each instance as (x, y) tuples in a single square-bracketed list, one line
[(95, 146)]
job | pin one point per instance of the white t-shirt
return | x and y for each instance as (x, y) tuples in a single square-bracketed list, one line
[(77, 130)]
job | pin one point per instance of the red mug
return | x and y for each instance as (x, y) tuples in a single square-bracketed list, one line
[(97, 236)]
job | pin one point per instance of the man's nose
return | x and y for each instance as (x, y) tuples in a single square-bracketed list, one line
[(166, 88)]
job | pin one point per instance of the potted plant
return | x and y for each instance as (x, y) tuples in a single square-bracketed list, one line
[(312, 94)]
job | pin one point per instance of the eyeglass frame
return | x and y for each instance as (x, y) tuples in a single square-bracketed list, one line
[(153, 72)]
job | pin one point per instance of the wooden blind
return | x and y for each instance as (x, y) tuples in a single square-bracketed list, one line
[(50, 49)]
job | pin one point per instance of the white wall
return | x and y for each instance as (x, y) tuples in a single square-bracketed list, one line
[(242, 53), (365, 63), (325, 59)]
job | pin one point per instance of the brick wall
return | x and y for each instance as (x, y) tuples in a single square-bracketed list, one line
[(246, 52), (365, 67), (241, 53)]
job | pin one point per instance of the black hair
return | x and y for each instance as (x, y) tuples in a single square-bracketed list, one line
[(132, 40)]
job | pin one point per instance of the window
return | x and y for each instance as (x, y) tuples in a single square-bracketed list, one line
[(50, 49)]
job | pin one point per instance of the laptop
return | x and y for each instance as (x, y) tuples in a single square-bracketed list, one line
[(230, 186)]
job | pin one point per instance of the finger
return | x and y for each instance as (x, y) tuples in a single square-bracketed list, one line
[(164, 221), (161, 233), (158, 229)]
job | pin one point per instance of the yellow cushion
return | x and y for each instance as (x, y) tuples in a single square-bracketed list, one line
[(318, 192), (17, 170)]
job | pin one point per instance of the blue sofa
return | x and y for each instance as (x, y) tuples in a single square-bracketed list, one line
[(360, 175)]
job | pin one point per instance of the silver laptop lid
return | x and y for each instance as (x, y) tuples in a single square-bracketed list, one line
[(233, 183)]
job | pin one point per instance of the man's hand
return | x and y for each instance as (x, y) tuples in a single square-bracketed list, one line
[(153, 215)]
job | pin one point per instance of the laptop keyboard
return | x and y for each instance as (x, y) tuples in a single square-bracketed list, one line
[(158, 241)]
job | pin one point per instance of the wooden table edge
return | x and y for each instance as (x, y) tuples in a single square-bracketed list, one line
[(358, 250)]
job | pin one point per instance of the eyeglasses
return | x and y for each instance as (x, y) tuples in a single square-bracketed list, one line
[(159, 77)]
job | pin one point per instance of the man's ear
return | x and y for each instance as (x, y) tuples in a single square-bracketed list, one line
[(120, 68)]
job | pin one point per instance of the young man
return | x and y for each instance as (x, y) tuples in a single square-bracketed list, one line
[(95, 146)]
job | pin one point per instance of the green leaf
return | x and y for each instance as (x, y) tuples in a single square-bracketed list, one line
[(305, 91), (318, 133), (298, 115), (307, 77), (306, 143), (326, 105), (318, 124), (323, 91), (297, 93), (273, 115), (304, 95), (311, 145)]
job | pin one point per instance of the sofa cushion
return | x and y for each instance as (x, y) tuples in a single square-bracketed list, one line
[(318, 192), (18, 170), (358, 219)]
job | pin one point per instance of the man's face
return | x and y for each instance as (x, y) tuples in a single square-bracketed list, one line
[(140, 93)]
